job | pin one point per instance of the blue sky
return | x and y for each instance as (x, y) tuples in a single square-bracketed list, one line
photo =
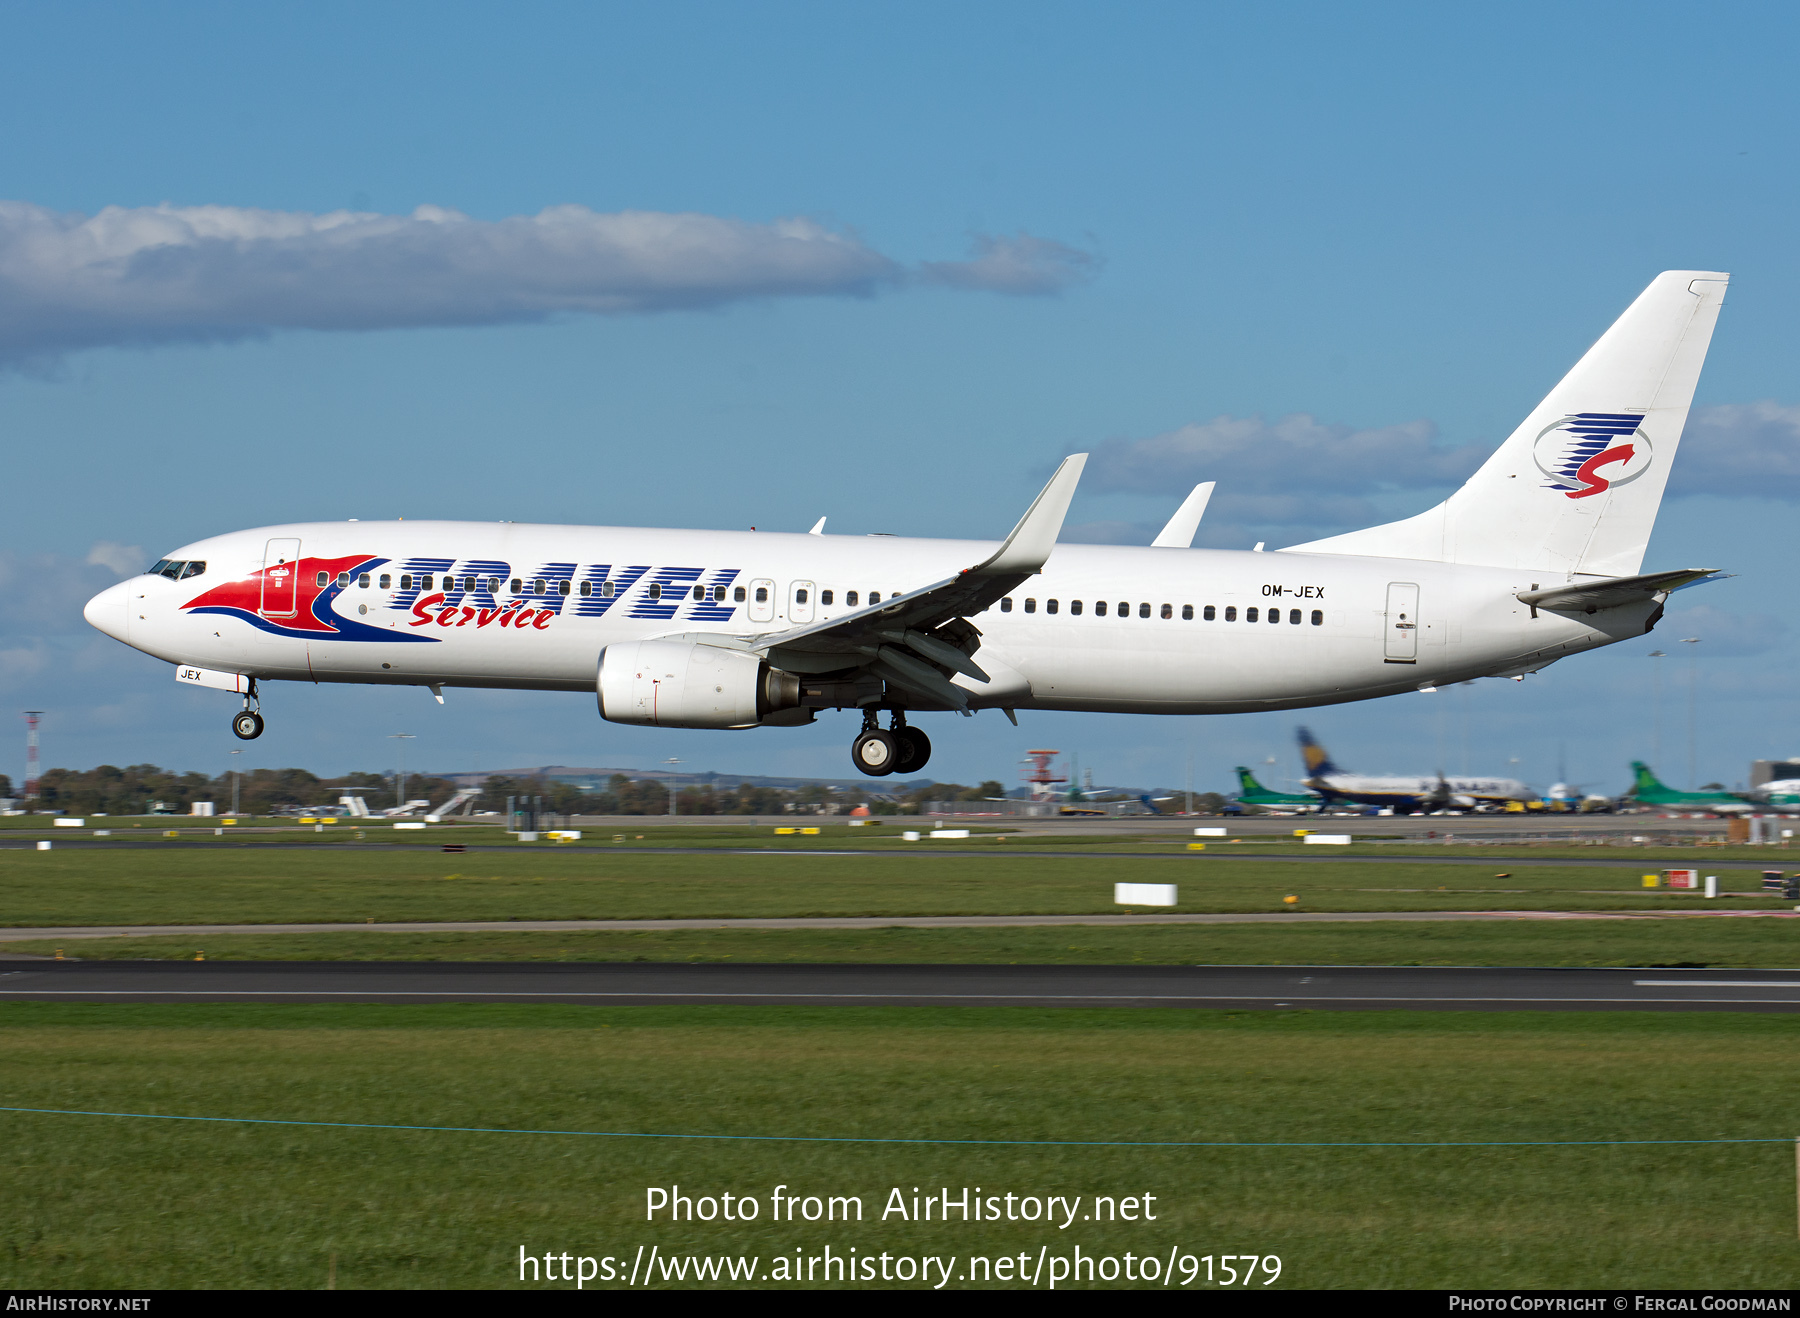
[(1026, 230)]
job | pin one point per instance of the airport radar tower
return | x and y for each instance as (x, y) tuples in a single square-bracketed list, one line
[(1042, 777)]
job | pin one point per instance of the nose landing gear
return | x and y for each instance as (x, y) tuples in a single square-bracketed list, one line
[(247, 723), (898, 749)]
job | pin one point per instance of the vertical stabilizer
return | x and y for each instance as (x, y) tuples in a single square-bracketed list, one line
[(1318, 762), (1247, 784), (1575, 489), (1645, 780)]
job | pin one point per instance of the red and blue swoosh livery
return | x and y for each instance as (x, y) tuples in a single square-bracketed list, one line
[(313, 617)]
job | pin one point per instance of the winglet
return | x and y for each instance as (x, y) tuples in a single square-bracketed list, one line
[(1179, 533), (1028, 548)]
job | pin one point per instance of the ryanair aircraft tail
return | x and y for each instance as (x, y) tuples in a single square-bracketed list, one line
[(1576, 487), (1318, 762)]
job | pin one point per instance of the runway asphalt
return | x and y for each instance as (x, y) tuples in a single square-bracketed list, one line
[(1620, 860), (641, 984)]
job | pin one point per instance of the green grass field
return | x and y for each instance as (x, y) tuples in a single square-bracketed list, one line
[(146, 886), (106, 1202), (1672, 942)]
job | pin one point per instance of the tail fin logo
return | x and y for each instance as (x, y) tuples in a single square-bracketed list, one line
[(1575, 452)]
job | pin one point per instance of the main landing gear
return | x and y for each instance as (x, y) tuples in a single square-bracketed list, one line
[(898, 749), (247, 723)]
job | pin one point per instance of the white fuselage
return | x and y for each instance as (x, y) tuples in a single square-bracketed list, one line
[(1350, 628), (1366, 789)]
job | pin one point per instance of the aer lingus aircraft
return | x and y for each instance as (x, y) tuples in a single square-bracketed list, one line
[(1648, 789), (1251, 792), (1536, 558)]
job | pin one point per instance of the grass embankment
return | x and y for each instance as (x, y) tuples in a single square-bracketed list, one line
[(1672, 942), (252, 886), (103, 1203)]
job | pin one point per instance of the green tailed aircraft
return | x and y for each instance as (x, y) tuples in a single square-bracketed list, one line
[(1648, 789), (1251, 792)]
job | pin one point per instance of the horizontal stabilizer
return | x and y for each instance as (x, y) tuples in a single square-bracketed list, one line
[(1592, 596)]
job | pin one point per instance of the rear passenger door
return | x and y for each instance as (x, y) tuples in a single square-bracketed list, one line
[(1402, 631)]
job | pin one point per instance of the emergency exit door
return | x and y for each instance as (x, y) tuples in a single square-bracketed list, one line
[(280, 579), (1402, 644)]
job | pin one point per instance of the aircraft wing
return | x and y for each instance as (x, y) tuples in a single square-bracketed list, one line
[(914, 640), (1611, 592)]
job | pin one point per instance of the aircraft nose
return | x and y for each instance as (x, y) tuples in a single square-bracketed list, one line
[(110, 612)]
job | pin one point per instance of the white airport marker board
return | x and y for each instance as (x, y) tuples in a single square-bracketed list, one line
[(1143, 894), (1327, 839)]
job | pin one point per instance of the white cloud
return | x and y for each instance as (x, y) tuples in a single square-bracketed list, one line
[(122, 560), (1741, 450), (161, 274), (1020, 265), (1282, 460)]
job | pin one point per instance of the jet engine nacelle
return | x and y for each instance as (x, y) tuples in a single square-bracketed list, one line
[(678, 684)]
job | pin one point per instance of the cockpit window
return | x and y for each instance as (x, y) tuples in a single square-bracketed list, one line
[(176, 569)]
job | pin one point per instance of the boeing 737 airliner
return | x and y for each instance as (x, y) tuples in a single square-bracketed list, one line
[(1537, 557)]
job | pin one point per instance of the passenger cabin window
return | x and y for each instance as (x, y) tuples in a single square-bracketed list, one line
[(563, 587), (537, 587), (363, 581), (1318, 617), (655, 590), (426, 580), (387, 581), (406, 581), (1274, 615), (1099, 608), (1124, 608), (1075, 607), (587, 588), (1231, 613), (762, 594), (1209, 613), (1250, 615), (323, 578), (1031, 606), (1143, 610), (515, 585), (606, 590), (1006, 605), (1187, 612), (1167, 612), (825, 597), (1049, 606), (738, 595), (1294, 617), (800, 596), (850, 598), (875, 597)]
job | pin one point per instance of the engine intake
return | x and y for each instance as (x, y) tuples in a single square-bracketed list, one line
[(679, 684)]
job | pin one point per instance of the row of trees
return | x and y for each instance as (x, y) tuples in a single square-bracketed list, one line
[(137, 788)]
